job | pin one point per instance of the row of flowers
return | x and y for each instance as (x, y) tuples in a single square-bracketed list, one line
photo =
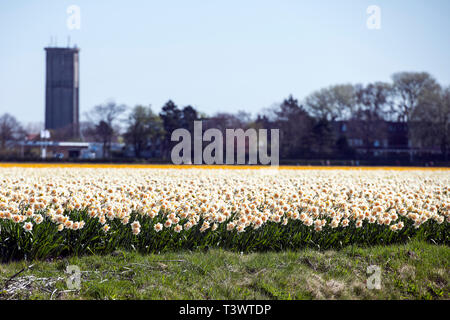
[(207, 198)]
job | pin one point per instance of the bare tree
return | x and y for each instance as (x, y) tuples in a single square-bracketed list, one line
[(408, 87), (104, 124), (108, 112), (10, 130), (295, 128), (144, 126), (332, 103), (430, 120), (373, 102)]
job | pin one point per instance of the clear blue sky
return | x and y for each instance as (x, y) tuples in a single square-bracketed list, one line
[(217, 55)]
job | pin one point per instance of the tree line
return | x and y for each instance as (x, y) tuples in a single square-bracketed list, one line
[(307, 127)]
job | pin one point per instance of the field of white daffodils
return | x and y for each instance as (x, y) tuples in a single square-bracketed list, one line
[(55, 211)]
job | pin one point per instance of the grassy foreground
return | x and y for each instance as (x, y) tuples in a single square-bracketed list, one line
[(417, 270)]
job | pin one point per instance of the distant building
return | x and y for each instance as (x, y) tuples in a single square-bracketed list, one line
[(56, 149), (386, 138), (67, 149), (62, 90)]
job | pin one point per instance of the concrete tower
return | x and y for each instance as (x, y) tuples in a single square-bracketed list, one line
[(62, 90)]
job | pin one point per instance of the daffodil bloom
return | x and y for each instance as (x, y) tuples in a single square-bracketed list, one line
[(28, 226)]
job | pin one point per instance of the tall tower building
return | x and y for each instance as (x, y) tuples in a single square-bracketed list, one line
[(62, 90)]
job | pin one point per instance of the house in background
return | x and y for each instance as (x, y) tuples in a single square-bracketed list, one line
[(380, 138)]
